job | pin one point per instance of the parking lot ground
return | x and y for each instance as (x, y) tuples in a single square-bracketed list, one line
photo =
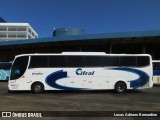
[(139, 100)]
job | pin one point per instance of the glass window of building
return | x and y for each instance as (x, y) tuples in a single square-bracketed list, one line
[(21, 29), (11, 36), (12, 28), (21, 36), (29, 30), (3, 36), (32, 34), (3, 28), (29, 36)]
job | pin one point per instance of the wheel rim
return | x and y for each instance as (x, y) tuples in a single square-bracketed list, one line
[(120, 88), (37, 88)]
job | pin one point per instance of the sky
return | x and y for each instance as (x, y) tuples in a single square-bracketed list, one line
[(94, 16)]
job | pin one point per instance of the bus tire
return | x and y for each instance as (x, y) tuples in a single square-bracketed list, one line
[(37, 88), (120, 87)]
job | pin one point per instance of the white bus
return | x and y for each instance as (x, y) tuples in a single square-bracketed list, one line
[(156, 71), (80, 71)]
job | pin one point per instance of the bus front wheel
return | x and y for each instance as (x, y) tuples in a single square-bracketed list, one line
[(37, 88), (120, 87)]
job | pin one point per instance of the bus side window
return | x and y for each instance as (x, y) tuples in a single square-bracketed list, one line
[(57, 61), (75, 61), (128, 61), (93, 61), (142, 61), (38, 62), (110, 61)]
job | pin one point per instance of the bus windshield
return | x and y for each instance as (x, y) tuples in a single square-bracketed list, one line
[(19, 67)]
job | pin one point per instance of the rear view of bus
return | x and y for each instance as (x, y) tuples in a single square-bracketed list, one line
[(81, 71), (156, 71)]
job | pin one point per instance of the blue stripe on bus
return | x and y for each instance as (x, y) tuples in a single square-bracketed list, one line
[(135, 84), (142, 80), (53, 77)]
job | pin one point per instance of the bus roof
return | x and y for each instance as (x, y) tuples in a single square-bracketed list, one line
[(81, 53)]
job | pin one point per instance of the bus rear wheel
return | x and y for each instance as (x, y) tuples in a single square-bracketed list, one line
[(37, 88), (120, 87)]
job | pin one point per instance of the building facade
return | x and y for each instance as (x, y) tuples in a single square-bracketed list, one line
[(16, 31)]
